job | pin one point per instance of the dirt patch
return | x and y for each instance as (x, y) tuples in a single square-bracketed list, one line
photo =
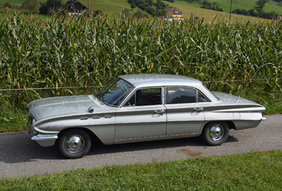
[(190, 153)]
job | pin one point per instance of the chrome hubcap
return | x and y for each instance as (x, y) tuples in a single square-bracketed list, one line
[(75, 143), (216, 132)]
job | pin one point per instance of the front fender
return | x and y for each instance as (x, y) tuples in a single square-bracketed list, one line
[(103, 126)]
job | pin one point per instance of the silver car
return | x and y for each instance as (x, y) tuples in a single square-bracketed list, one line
[(140, 107)]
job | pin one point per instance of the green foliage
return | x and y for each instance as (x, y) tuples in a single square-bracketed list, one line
[(257, 11), (50, 6), (252, 171), (269, 7), (157, 8), (212, 6), (11, 117), (139, 14), (259, 5), (31, 4), (64, 52), (7, 5), (98, 13), (81, 52), (125, 13)]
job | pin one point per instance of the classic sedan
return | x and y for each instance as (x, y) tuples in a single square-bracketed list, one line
[(141, 107)]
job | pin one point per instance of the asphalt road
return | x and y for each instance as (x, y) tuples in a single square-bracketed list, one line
[(19, 156)]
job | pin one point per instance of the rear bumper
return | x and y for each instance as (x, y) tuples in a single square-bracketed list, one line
[(45, 140)]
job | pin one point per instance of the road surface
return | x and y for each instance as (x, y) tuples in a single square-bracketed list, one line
[(22, 157)]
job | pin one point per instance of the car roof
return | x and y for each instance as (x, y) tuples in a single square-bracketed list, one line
[(150, 80)]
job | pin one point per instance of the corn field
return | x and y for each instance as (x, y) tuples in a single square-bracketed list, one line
[(81, 52)]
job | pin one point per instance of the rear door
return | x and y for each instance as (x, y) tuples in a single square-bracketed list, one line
[(185, 111)]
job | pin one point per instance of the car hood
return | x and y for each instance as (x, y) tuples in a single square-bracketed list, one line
[(64, 106)]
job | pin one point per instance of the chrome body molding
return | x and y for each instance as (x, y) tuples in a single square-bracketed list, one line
[(127, 121)]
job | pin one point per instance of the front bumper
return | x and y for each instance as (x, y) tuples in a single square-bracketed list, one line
[(45, 140)]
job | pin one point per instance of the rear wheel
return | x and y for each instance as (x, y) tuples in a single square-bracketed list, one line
[(74, 143), (215, 133)]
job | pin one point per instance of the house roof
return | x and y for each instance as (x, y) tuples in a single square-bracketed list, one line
[(72, 2), (175, 11)]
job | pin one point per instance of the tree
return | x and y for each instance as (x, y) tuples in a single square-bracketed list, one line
[(7, 5), (31, 4), (139, 15), (132, 5), (49, 6), (97, 13), (125, 13), (259, 6)]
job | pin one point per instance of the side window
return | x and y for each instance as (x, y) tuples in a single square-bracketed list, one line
[(180, 95), (148, 96), (202, 98), (175, 95)]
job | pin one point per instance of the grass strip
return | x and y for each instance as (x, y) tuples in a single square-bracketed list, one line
[(251, 171)]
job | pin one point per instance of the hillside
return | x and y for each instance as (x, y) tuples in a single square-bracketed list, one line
[(247, 4), (109, 7), (113, 8), (209, 15)]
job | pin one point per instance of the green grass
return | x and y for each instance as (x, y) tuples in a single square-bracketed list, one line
[(12, 119), (112, 8), (252, 171), (12, 1), (247, 4), (238, 4), (189, 9)]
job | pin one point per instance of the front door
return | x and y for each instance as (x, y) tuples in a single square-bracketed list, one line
[(143, 117)]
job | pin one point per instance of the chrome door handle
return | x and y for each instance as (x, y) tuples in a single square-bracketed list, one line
[(161, 111), (199, 109)]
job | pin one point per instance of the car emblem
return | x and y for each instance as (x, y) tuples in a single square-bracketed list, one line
[(91, 109)]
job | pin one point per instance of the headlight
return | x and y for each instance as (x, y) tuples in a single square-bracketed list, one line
[(31, 120)]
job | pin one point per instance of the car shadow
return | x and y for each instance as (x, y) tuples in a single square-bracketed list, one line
[(18, 148), (231, 139), (99, 148)]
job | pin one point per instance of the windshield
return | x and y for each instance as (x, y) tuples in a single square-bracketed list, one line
[(114, 94)]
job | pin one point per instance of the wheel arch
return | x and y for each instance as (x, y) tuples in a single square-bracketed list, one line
[(92, 135), (230, 124)]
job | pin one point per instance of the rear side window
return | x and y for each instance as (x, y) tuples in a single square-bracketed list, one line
[(178, 95)]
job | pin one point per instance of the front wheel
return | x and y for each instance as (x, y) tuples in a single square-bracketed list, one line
[(215, 133), (74, 143)]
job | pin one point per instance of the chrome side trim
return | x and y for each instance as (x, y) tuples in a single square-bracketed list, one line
[(150, 138)]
